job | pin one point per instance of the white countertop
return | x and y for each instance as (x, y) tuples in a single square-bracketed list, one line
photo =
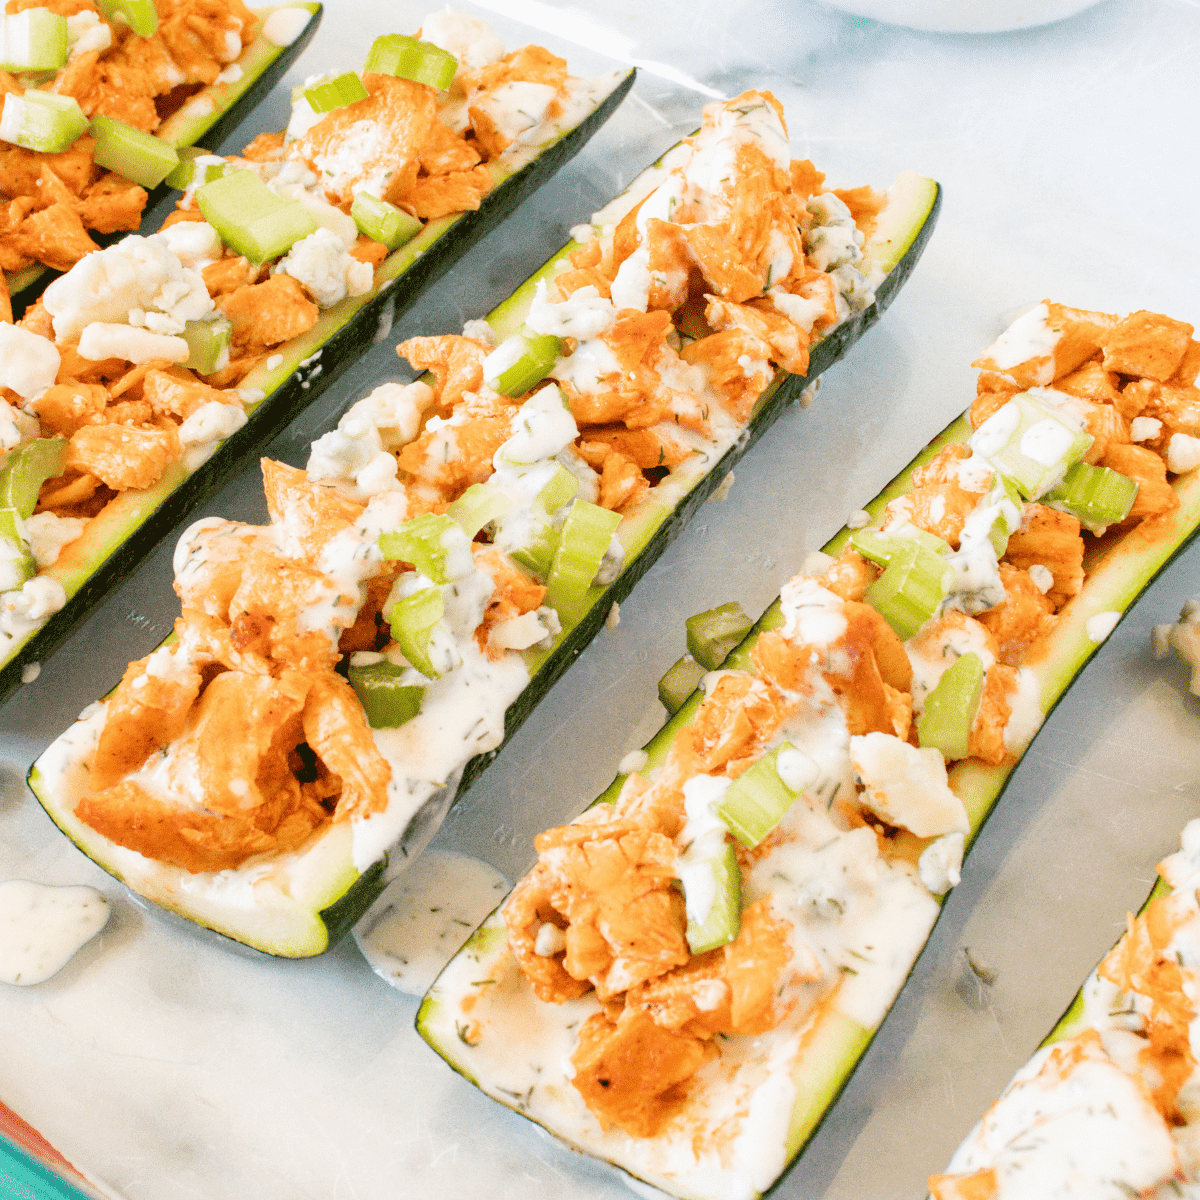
[(170, 1068)]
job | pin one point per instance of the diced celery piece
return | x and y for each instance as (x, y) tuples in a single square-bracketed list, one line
[(478, 506), (1098, 496), (520, 361), (911, 587), (189, 174), (140, 15), (1029, 443), (724, 919), (23, 562), (951, 707), (383, 222), (879, 547), (583, 543), (410, 58), (337, 92), (208, 344), (711, 635), (756, 801), (133, 153), (33, 40), (250, 218), (559, 491), (412, 620), (537, 555), (679, 683), (1002, 529), (42, 121), (25, 468), (422, 542), (387, 693)]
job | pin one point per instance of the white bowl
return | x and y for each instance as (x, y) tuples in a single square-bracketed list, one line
[(964, 16)]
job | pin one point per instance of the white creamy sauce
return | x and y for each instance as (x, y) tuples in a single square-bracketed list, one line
[(424, 915), (1097, 1138), (462, 715), (1027, 715), (1028, 337), (812, 613), (43, 927), (858, 922), (995, 432), (700, 841), (1046, 442)]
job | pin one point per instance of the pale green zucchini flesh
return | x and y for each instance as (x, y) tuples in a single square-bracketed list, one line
[(117, 539), (1120, 566), (211, 113), (304, 925)]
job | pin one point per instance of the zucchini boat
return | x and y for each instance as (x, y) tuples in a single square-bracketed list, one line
[(261, 351), (205, 96), (1106, 1106), (690, 973), (447, 650)]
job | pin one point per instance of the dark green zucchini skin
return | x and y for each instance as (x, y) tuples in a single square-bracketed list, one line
[(827, 352), (220, 129), (306, 384)]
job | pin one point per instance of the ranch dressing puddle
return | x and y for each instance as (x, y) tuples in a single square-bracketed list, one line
[(43, 927), (423, 917)]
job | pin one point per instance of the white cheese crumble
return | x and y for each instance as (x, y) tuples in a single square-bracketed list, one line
[(85, 31), (1042, 577), (322, 264), (481, 331), (1144, 429), (212, 422), (1184, 637), (100, 340), (195, 243), (906, 786), (21, 610), (1183, 453), (28, 363), (138, 273), (47, 534), (519, 633), (1100, 625), (940, 864)]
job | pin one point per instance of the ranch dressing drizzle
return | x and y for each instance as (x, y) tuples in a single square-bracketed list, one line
[(43, 927), (1091, 1131), (857, 922), (1028, 337), (424, 916)]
